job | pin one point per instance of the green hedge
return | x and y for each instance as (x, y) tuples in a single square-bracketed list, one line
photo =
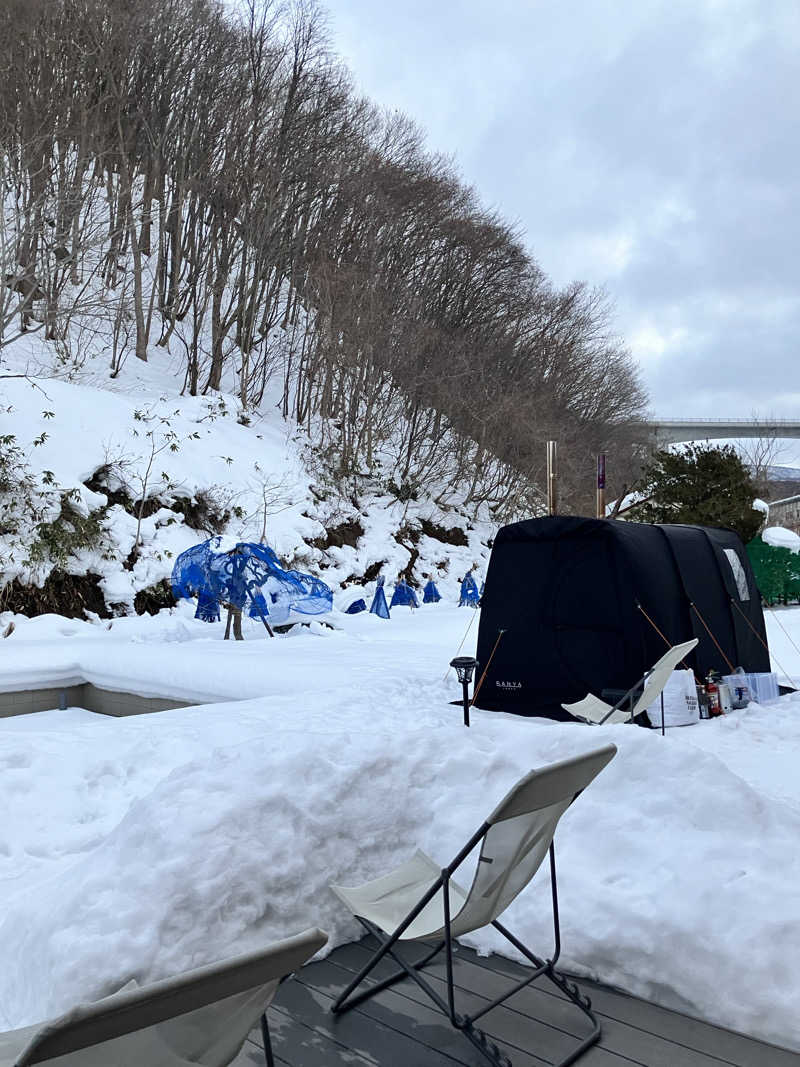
[(777, 571)]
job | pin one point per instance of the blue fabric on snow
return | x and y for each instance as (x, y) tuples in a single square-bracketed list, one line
[(250, 578), (379, 606), (469, 592), (430, 594), (207, 607), (403, 595), (356, 607)]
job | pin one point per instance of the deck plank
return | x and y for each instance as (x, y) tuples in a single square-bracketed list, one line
[(417, 1017), (618, 1038), (296, 1044), (716, 1041), (548, 1032), (399, 1027), (387, 1035)]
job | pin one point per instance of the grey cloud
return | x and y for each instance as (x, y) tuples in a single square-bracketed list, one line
[(653, 148)]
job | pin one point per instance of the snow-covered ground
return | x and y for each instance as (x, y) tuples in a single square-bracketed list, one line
[(141, 435), (139, 847)]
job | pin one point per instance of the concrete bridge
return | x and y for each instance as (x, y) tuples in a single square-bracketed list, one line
[(672, 431)]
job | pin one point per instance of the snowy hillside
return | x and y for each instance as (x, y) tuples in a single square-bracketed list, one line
[(96, 447)]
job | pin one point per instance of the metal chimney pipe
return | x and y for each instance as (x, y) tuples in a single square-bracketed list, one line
[(601, 485), (552, 478)]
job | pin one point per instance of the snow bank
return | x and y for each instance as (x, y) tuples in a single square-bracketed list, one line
[(780, 537), (143, 846)]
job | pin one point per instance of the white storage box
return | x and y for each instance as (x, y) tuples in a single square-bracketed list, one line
[(761, 687), (764, 687)]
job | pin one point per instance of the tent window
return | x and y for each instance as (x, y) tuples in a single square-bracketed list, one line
[(738, 573)]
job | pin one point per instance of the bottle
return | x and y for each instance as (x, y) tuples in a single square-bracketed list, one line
[(712, 691), (725, 701), (702, 700)]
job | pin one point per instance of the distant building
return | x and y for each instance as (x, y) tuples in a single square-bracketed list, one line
[(786, 513)]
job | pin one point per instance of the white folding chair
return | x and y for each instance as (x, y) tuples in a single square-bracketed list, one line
[(597, 711), (201, 1017), (419, 901)]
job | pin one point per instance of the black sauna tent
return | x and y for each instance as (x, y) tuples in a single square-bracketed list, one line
[(571, 595)]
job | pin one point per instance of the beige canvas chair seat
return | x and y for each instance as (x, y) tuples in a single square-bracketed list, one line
[(386, 900), (420, 901), (197, 1019), (597, 711), (14, 1041)]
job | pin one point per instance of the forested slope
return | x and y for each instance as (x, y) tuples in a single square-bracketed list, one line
[(183, 177)]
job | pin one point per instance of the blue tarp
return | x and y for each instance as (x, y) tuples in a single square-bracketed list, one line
[(430, 594), (248, 577), (356, 607), (379, 606), (403, 595), (469, 592)]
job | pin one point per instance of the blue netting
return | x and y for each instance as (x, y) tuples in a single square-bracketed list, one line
[(469, 592), (248, 577), (188, 574), (379, 606), (403, 595), (430, 594), (356, 607), (207, 607)]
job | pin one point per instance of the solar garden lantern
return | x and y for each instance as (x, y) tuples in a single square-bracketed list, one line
[(465, 668)]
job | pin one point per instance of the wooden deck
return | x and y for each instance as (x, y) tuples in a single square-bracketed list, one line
[(398, 1028)]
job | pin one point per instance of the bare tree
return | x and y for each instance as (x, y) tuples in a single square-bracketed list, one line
[(204, 176), (761, 453)]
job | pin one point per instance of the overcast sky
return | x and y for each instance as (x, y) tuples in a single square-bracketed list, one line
[(649, 147)]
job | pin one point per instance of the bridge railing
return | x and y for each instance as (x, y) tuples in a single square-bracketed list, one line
[(766, 424)]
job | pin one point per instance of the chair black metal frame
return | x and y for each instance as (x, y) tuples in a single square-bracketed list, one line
[(269, 1057), (672, 656), (631, 697), (465, 1023)]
